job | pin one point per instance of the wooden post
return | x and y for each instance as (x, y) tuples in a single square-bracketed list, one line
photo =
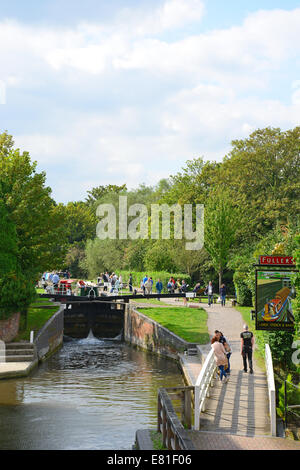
[(159, 420), (164, 427), (169, 436), (188, 408)]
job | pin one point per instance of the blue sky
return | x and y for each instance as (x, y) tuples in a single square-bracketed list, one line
[(126, 91)]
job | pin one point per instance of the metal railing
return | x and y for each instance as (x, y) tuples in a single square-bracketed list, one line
[(174, 435), (204, 382), (271, 388)]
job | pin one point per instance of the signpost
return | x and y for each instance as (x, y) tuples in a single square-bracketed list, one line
[(274, 293)]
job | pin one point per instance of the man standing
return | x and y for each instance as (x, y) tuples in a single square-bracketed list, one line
[(55, 280), (159, 287), (247, 343), (130, 282), (209, 291)]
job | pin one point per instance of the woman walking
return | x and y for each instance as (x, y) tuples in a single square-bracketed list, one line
[(220, 357)]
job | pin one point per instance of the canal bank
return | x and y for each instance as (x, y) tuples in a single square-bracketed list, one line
[(19, 359), (90, 395), (140, 333)]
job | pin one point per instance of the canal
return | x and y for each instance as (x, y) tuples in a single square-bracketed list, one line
[(92, 394)]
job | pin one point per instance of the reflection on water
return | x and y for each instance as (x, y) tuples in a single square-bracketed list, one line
[(92, 394)]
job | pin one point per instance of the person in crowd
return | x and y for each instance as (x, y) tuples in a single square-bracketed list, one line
[(220, 357), (197, 287), (55, 280), (151, 285), (183, 290), (170, 286), (247, 344), (105, 278), (130, 281), (223, 295), (209, 291), (115, 286), (148, 285), (159, 287), (142, 285)]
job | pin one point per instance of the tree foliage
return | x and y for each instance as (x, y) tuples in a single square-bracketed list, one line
[(221, 218), (30, 207)]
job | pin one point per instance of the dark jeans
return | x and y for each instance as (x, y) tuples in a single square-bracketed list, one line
[(247, 354), (210, 299), (222, 372)]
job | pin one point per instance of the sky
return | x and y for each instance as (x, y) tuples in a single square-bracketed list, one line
[(127, 91)]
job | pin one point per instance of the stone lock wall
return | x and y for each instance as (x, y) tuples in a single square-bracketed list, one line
[(145, 333), (9, 328)]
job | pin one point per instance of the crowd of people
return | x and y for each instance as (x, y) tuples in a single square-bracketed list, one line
[(112, 283)]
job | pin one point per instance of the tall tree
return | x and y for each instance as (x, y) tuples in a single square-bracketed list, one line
[(262, 174), (96, 194), (40, 239), (221, 219)]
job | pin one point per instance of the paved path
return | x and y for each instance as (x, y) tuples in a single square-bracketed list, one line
[(240, 406)]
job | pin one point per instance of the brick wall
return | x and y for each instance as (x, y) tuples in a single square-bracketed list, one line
[(145, 333), (9, 328)]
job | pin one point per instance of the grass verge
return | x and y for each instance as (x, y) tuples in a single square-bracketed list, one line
[(149, 301), (188, 324)]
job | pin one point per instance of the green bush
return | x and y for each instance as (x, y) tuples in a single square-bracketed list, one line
[(243, 293), (16, 294), (293, 396)]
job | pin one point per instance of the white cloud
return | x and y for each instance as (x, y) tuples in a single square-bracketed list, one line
[(172, 14), (173, 99)]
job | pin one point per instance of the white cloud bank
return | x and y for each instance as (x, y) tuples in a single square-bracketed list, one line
[(193, 95)]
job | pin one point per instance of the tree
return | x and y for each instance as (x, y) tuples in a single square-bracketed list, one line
[(262, 174), (159, 257), (194, 183), (8, 242), (220, 229), (96, 194), (40, 239), (79, 221)]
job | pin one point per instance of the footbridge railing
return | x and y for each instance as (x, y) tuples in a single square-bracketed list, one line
[(174, 434), (271, 388), (204, 382)]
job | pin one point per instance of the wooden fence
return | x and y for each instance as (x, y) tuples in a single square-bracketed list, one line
[(174, 435)]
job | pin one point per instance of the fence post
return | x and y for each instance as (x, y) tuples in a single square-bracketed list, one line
[(188, 408)]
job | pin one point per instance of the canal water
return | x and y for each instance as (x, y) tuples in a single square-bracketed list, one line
[(92, 394)]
